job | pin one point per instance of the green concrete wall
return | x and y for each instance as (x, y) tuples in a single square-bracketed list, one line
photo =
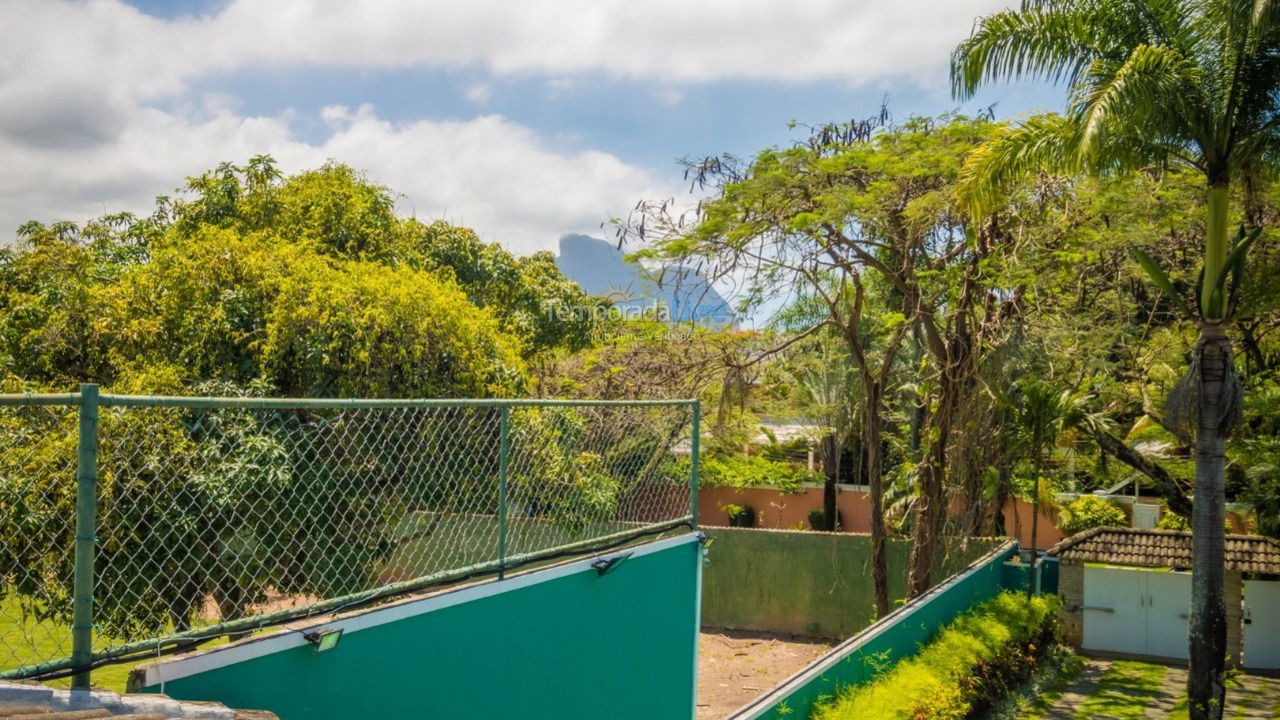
[(863, 657), (621, 646), (1015, 575), (808, 583)]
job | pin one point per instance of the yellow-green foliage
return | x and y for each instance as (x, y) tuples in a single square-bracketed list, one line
[(311, 284), (1090, 511), (928, 685), (363, 329), (738, 470), (227, 306)]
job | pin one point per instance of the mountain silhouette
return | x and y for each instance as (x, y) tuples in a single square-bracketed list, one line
[(602, 270)]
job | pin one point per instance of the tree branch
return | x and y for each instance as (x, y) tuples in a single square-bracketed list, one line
[(1115, 447)]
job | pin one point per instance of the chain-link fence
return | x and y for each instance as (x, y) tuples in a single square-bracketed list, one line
[(136, 525)]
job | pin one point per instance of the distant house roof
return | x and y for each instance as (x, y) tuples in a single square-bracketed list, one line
[(1163, 548)]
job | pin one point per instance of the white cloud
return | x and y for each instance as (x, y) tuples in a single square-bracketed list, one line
[(479, 93), (493, 175), (487, 173), (854, 40), (100, 107), (111, 52), (669, 96)]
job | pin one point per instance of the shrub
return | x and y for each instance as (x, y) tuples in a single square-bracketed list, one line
[(1172, 521), (741, 515), (818, 518), (737, 470), (970, 664), (1090, 511)]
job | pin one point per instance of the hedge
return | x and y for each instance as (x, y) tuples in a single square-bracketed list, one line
[(970, 664), (744, 471)]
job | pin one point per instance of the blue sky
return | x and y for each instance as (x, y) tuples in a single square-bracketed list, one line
[(524, 120)]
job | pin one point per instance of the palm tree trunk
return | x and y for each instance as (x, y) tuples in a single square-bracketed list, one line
[(1003, 484), (1206, 686), (1035, 522)]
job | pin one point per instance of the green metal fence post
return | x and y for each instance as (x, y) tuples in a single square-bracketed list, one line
[(694, 443), (504, 456), (86, 518)]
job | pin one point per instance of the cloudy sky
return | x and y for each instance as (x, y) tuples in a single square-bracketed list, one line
[(523, 119)]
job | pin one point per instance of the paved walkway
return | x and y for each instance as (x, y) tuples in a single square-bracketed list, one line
[(1145, 691), (1082, 688)]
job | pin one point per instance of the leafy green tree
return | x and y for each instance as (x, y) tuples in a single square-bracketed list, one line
[(529, 295), (221, 280), (1156, 83), (251, 283), (1257, 456), (853, 203), (359, 329)]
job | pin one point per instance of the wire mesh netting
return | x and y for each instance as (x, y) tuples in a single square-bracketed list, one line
[(37, 513), (208, 515)]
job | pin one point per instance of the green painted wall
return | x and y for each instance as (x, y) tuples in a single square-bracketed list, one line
[(862, 658), (1016, 573), (621, 646), (805, 582)]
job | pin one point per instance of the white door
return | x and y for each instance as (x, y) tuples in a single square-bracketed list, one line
[(1136, 611), (1262, 624), (1168, 604), (1114, 619)]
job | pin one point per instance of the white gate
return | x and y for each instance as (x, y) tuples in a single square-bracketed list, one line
[(1262, 624), (1136, 611), (1168, 604)]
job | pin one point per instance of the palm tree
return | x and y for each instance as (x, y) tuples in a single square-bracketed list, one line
[(1043, 413), (1154, 83)]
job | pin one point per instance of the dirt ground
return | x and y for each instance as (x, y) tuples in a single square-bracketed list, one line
[(736, 666)]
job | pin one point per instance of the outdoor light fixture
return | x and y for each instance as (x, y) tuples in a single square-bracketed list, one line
[(603, 566), (324, 640)]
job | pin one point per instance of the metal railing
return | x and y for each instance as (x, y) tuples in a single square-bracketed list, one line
[(134, 525)]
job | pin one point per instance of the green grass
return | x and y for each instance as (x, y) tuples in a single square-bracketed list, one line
[(26, 642), (1044, 692), (1123, 691)]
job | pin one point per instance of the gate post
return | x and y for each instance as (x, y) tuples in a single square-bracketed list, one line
[(694, 447), (86, 520)]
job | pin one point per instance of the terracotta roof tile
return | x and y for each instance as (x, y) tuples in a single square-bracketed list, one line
[(1164, 548)]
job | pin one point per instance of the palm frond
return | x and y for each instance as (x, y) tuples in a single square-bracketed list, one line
[(1044, 143), (1136, 94), (1050, 43)]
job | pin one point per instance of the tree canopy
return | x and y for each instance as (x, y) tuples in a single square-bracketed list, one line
[(311, 283)]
